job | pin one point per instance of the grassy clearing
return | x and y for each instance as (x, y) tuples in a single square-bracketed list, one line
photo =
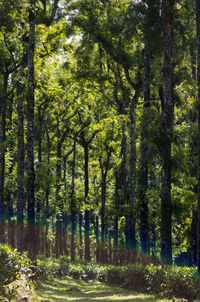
[(68, 289)]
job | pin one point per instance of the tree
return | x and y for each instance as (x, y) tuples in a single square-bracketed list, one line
[(167, 127), (198, 150)]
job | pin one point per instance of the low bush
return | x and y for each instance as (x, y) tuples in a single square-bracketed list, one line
[(48, 266), (180, 283), (76, 271), (116, 275), (136, 277), (13, 264), (155, 276), (168, 281)]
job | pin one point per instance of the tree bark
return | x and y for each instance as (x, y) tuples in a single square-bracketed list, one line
[(198, 148), (80, 236), (2, 143), (131, 236), (58, 202), (31, 232), (48, 161), (167, 128), (104, 172), (30, 116), (20, 167), (87, 213), (116, 218), (73, 206), (144, 224), (20, 152), (2, 155)]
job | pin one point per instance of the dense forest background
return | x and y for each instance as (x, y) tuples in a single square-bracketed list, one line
[(99, 128)]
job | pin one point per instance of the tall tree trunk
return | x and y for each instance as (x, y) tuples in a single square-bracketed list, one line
[(144, 224), (48, 162), (97, 239), (20, 152), (73, 206), (124, 182), (80, 236), (116, 217), (167, 128), (130, 219), (103, 199), (2, 155), (2, 144), (20, 167), (131, 236), (87, 213), (104, 172), (30, 116), (198, 148), (152, 177), (31, 236), (40, 121), (58, 201)]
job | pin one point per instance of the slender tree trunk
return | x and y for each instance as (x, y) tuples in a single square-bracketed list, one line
[(130, 219), (104, 172), (97, 239), (193, 237), (103, 199), (31, 236), (116, 218), (20, 159), (80, 236), (58, 202), (198, 148), (40, 121), (65, 237), (2, 142), (154, 214), (73, 206), (167, 127), (131, 236), (48, 161), (144, 224), (20, 167), (87, 213), (2, 155), (30, 117), (124, 183)]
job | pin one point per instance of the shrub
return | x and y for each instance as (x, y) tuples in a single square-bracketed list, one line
[(76, 271), (172, 281), (180, 282), (13, 265), (64, 265), (136, 277), (116, 275), (155, 278), (167, 281), (48, 266)]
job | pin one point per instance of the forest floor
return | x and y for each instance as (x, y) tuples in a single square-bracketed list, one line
[(68, 289)]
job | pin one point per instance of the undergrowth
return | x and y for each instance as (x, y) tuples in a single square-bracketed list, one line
[(170, 282), (167, 281), (14, 267)]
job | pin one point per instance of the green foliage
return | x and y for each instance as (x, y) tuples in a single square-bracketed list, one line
[(167, 281), (12, 266), (48, 266)]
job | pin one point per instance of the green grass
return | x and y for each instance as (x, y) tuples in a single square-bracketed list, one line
[(68, 289)]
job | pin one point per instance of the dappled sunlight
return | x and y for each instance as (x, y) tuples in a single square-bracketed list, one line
[(69, 289)]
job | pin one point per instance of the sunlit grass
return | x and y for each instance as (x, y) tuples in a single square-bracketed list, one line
[(68, 289)]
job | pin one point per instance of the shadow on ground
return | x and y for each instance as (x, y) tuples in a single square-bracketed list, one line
[(60, 290)]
